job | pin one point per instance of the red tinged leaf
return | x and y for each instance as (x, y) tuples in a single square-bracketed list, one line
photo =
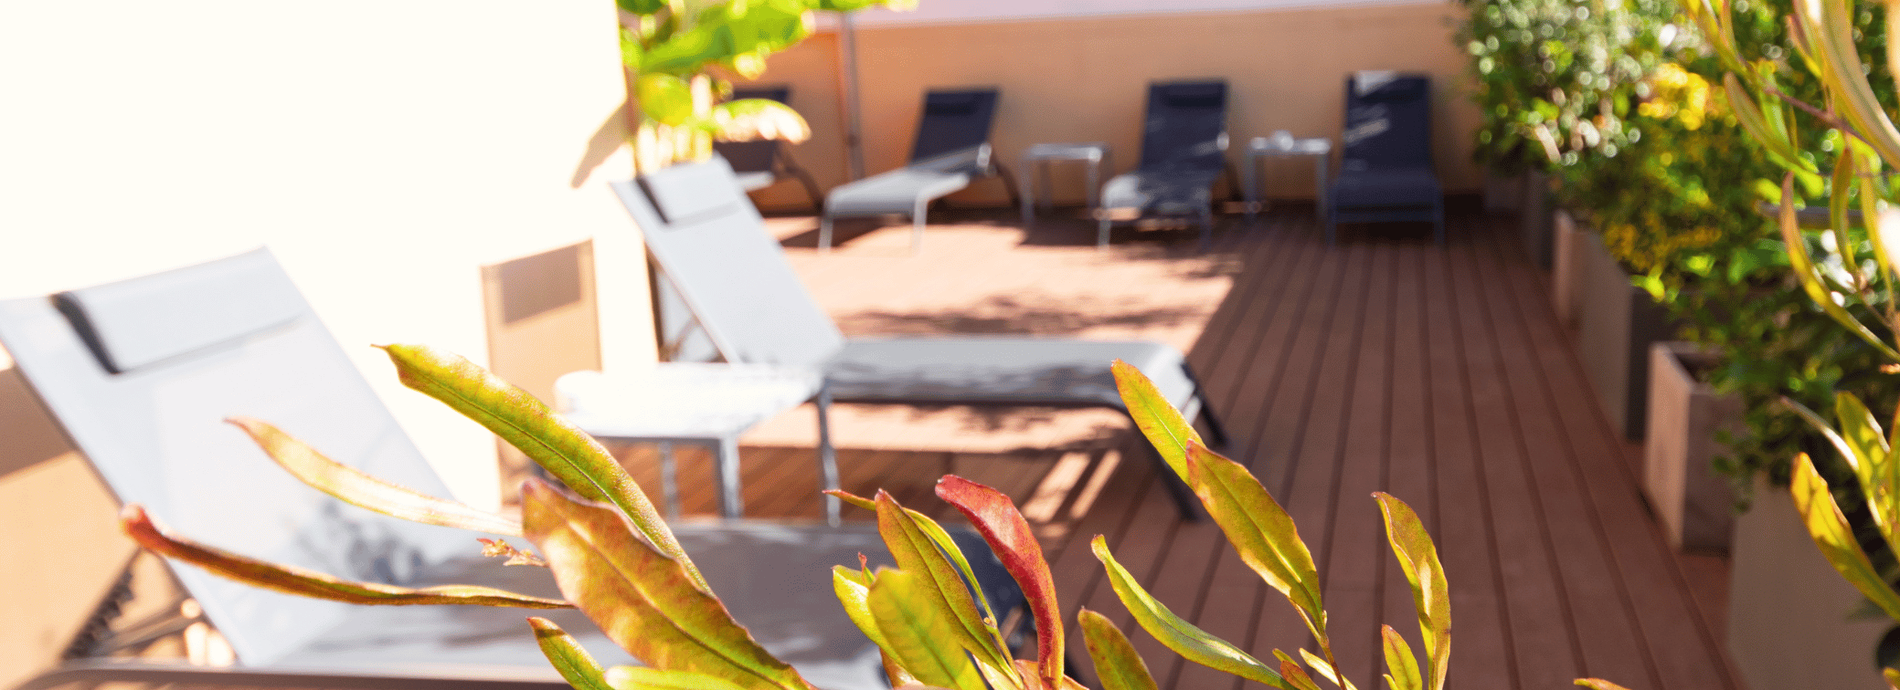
[(1008, 534)]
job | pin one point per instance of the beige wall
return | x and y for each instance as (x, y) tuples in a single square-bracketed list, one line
[(1085, 80), (384, 151)]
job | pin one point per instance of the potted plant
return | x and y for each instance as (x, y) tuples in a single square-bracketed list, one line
[(1686, 418)]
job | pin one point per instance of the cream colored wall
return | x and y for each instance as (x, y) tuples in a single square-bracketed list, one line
[(384, 151), (1085, 80)]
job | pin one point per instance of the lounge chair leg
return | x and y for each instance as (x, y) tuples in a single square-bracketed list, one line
[(669, 481), (917, 219), (827, 457), (1184, 498), (1101, 234), (1207, 227), (726, 465), (1438, 223), (824, 233)]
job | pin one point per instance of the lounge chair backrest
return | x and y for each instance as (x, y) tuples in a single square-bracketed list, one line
[(140, 373), (1186, 127), (955, 124), (711, 243), (754, 156), (1388, 121)]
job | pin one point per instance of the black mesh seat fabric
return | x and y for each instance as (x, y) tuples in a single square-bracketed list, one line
[(761, 164), (1386, 173), (1183, 151), (952, 149)]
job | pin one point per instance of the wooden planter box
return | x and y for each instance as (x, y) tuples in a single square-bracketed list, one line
[(1616, 324), (1563, 266), (1695, 504), (1791, 618)]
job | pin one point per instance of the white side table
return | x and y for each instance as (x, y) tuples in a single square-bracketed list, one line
[(1283, 145), (1095, 154), (690, 402)]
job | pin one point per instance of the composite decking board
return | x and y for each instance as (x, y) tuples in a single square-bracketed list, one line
[(1592, 613), (1349, 557), (1196, 549), (1484, 646), (1687, 653), (1311, 495), (1276, 388), (1533, 591)]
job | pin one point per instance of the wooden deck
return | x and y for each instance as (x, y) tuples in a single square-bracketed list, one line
[(1436, 374)]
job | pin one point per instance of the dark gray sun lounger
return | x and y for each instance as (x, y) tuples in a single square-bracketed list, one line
[(140, 373), (1183, 151), (1385, 172), (952, 148), (761, 164), (733, 276)]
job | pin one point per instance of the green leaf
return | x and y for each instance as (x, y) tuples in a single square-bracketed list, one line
[(1803, 266), (1830, 27), (996, 517), (576, 666), (1158, 420), (1400, 663), (665, 98), (641, 7), (756, 119), (362, 490), (302, 582), (1835, 538), (643, 678), (1117, 663), (1418, 559), (1260, 531), (1872, 461), (549, 439), (1192, 643), (937, 534), (1843, 183), (914, 633), (1892, 677), (942, 586), (1324, 669), (643, 600)]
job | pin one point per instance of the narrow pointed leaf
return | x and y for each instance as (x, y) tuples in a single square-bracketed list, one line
[(1831, 30), (1401, 664), (1296, 678), (1872, 461), (362, 490), (1835, 538), (643, 678), (1892, 677), (1117, 664), (1190, 642), (995, 516), (643, 600), (754, 119), (853, 588), (942, 586), (1599, 684), (1326, 670), (937, 534), (1803, 266), (1418, 559), (576, 666), (664, 98), (915, 633), (1837, 210), (148, 533), (549, 439), (1260, 531), (1155, 416)]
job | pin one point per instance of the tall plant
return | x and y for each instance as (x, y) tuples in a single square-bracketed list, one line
[(679, 54), (618, 562)]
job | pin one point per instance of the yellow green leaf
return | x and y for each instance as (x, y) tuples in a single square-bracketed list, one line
[(665, 98), (1835, 538), (1400, 663), (1260, 531), (1158, 420), (643, 678), (755, 119), (362, 490), (643, 600), (1192, 643), (549, 439), (1599, 684), (1296, 678), (576, 666), (1804, 269), (1418, 559), (915, 632), (303, 582), (1117, 663), (941, 585)]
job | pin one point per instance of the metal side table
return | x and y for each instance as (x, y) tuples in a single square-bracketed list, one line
[(1096, 154), (1283, 145)]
